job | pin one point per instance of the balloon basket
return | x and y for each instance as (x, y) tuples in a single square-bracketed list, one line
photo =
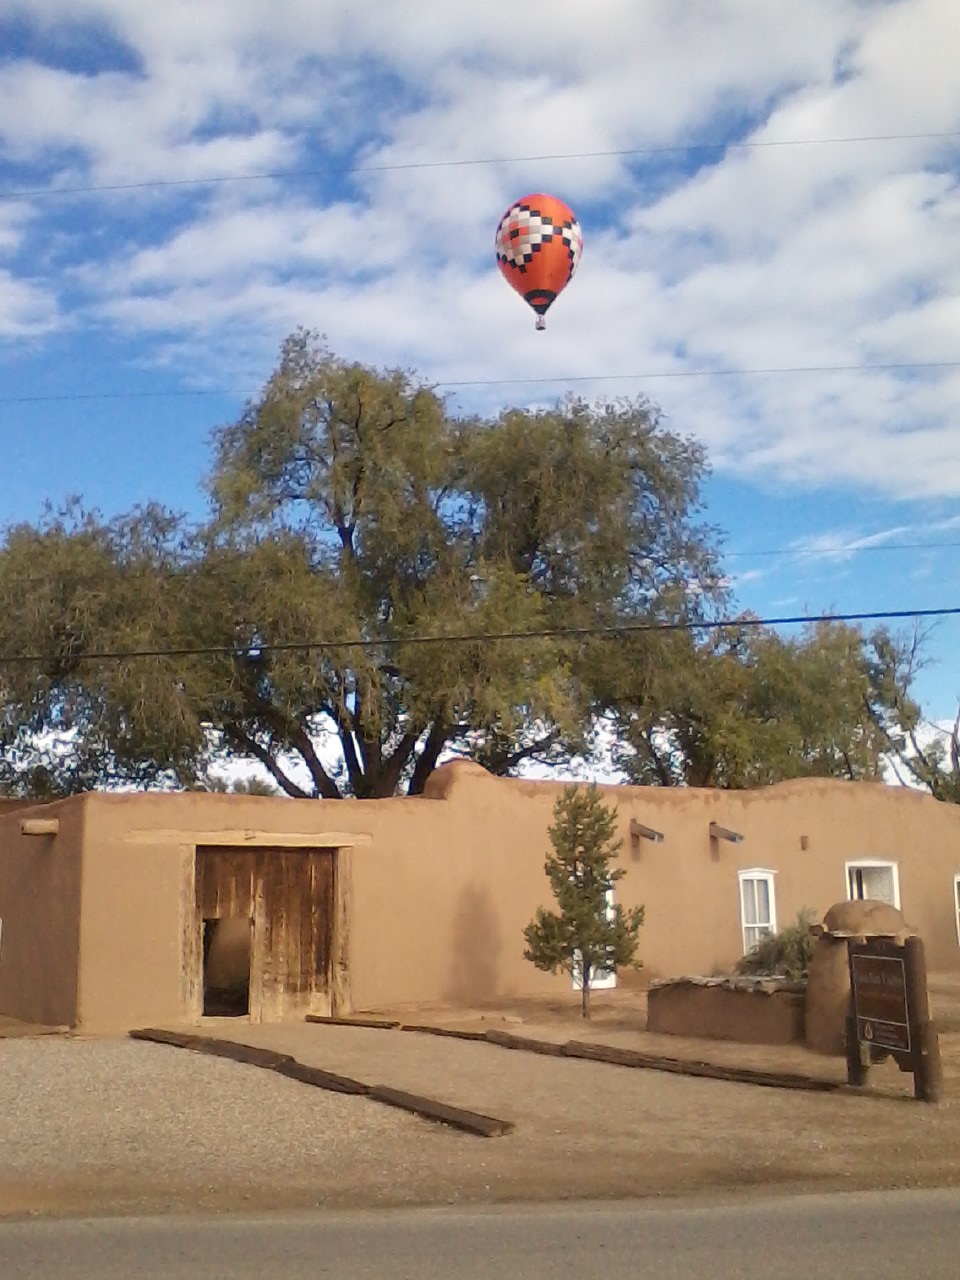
[(541, 322)]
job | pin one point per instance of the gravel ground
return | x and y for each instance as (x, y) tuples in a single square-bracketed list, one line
[(127, 1122), (120, 1126)]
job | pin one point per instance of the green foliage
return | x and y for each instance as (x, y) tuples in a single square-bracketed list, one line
[(584, 935), (747, 707), (237, 786), (70, 586), (348, 505), (932, 763), (787, 953)]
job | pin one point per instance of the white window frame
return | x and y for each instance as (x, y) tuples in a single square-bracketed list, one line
[(862, 864), (956, 903), (756, 873)]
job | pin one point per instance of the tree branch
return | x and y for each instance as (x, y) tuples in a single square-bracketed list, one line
[(514, 758), (251, 747), (325, 785), (663, 769), (291, 731), (389, 775), (427, 759)]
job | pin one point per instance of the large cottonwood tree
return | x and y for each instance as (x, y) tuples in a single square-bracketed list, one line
[(349, 507)]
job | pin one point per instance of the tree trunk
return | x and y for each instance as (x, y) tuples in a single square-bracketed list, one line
[(585, 991)]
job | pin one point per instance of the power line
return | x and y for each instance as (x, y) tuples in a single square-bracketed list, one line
[(485, 637), (650, 375), (414, 165)]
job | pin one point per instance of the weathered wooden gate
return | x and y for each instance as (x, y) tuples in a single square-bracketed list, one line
[(289, 895)]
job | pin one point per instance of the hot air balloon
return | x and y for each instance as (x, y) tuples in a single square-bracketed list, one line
[(539, 242)]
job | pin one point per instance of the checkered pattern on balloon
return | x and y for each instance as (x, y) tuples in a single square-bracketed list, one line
[(538, 245)]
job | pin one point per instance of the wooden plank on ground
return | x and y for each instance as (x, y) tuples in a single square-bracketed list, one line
[(322, 1079), (178, 1039), (510, 1040), (430, 1109), (236, 1052), (377, 1024), (705, 1070), (452, 1032)]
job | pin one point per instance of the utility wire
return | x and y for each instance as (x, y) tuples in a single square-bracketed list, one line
[(414, 165), (650, 375), (485, 637)]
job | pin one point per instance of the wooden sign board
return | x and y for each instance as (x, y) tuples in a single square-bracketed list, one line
[(879, 987), (889, 1014)]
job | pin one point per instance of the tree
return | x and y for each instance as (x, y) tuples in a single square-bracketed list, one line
[(587, 934), (71, 586), (238, 786), (350, 508), (919, 754), (398, 522), (745, 707)]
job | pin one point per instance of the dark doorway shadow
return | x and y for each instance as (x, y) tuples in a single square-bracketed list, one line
[(227, 947)]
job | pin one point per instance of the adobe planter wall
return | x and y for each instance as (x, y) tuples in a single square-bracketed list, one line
[(749, 1010), (828, 980)]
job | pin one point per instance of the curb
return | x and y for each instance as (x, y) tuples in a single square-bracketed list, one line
[(472, 1122)]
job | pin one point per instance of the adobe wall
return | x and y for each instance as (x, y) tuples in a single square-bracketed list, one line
[(726, 1012), (437, 899), (803, 831), (40, 914), (11, 804)]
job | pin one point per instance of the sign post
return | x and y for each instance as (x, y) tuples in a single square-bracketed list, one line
[(890, 1014)]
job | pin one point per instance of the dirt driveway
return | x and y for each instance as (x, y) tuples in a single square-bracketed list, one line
[(97, 1125)]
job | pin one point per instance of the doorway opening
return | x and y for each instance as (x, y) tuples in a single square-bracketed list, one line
[(227, 948)]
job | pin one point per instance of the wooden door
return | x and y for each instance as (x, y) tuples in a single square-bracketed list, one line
[(289, 895)]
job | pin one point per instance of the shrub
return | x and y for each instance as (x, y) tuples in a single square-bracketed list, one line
[(784, 954)]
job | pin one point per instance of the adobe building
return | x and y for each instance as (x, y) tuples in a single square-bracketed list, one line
[(110, 904)]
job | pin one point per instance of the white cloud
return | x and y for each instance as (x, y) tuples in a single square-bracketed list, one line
[(26, 309), (765, 257)]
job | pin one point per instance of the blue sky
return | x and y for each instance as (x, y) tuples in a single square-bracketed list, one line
[(183, 184)]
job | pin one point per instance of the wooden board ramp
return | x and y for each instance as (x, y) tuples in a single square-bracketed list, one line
[(472, 1122)]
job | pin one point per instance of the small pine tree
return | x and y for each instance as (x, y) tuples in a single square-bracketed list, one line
[(585, 936)]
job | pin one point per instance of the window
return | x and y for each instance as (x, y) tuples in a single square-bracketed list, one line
[(956, 902), (879, 881), (600, 979), (758, 907)]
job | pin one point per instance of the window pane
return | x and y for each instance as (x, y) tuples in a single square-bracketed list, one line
[(763, 901), (749, 897), (756, 908), (878, 883)]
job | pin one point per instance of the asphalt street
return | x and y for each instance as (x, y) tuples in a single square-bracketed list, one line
[(857, 1236)]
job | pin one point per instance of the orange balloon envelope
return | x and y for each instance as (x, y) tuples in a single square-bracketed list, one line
[(539, 243)]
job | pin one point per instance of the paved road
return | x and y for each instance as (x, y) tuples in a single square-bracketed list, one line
[(857, 1237)]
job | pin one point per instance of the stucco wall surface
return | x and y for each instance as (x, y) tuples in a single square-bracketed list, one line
[(40, 915), (435, 891)]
